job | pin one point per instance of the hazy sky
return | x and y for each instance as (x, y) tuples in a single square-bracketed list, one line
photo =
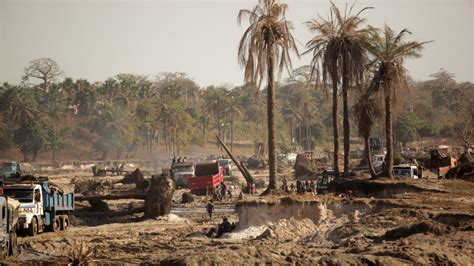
[(96, 39)]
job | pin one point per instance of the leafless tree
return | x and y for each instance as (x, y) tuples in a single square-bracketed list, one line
[(45, 69)]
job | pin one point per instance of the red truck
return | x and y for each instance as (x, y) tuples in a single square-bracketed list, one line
[(207, 176)]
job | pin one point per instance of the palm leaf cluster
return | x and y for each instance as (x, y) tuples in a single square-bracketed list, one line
[(267, 38)]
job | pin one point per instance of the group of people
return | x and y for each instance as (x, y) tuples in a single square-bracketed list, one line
[(300, 188), (179, 160), (222, 192)]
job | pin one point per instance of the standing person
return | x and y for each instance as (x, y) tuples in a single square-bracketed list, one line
[(311, 186), (292, 187), (173, 161), (222, 190), (254, 189), (210, 208)]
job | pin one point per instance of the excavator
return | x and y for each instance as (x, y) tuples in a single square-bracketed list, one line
[(240, 165)]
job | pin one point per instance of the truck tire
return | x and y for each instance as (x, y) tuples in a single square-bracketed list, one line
[(65, 222), (33, 228), (13, 244), (4, 251), (55, 225)]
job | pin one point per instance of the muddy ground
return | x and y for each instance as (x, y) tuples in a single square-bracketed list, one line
[(391, 222)]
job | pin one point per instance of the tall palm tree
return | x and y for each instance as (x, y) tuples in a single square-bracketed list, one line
[(389, 51), (264, 47), (366, 111), (339, 52)]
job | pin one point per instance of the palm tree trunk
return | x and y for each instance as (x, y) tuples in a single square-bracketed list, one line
[(271, 129), (368, 157), (388, 171), (346, 128), (300, 137), (232, 132), (335, 132), (307, 135), (291, 132)]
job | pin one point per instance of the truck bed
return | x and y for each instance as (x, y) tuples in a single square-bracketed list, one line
[(59, 202), (204, 182)]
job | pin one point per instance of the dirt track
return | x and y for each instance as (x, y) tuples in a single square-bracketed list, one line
[(432, 224)]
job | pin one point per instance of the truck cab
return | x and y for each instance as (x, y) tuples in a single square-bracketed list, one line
[(31, 205), (226, 166), (181, 172), (409, 171)]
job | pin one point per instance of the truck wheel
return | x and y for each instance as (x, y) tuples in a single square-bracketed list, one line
[(13, 244), (64, 222), (56, 224), (4, 251), (33, 228)]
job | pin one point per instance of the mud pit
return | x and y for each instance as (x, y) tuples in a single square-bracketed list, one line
[(429, 224)]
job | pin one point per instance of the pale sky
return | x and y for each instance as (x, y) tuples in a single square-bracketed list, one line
[(96, 39)]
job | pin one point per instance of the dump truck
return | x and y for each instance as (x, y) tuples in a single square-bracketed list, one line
[(9, 220), (43, 204), (207, 177), (13, 169), (181, 172)]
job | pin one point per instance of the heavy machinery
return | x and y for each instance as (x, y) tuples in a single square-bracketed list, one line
[(9, 220), (43, 205), (13, 169), (257, 161), (439, 163), (181, 172), (405, 170), (241, 166), (327, 176), (207, 177)]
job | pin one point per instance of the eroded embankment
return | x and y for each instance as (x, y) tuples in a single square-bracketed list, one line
[(375, 228), (290, 218), (262, 212)]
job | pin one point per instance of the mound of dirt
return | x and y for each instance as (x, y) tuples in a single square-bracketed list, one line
[(137, 178), (98, 205), (305, 166), (417, 228), (92, 187), (187, 198), (464, 170)]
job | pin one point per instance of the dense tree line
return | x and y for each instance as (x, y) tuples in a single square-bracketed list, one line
[(116, 117)]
